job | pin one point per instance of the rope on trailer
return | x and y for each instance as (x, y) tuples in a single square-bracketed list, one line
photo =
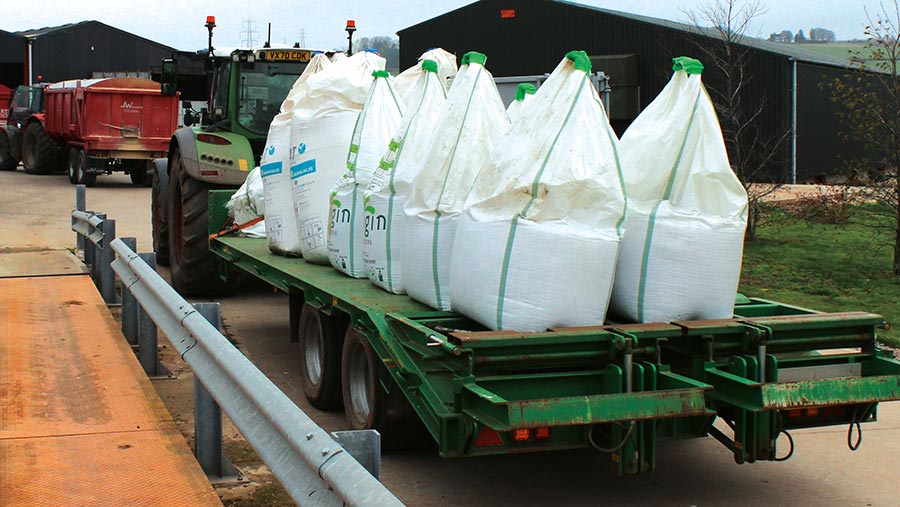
[(781, 431), (628, 435), (235, 227), (854, 423)]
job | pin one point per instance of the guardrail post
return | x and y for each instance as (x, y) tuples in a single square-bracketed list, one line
[(94, 256), (80, 205), (147, 335), (208, 418), (364, 446), (107, 277), (129, 305)]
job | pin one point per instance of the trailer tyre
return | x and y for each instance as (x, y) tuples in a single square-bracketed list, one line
[(195, 271), (368, 405), (320, 357), (83, 176), (159, 215), (140, 175), (74, 166), (40, 154), (7, 162)]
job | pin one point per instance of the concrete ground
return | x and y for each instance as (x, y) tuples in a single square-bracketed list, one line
[(35, 216)]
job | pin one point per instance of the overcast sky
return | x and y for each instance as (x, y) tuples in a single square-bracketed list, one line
[(323, 21)]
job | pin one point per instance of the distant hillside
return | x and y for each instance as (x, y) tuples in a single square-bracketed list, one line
[(833, 49)]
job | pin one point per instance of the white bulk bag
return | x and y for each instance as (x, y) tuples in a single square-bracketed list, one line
[(386, 194), (406, 82), (321, 130), (380, 117), (523, 93), (471, 123), (281, 226), (536, 247), (681, 254), (249, 203)]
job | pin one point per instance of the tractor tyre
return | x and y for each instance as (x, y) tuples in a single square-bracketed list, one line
[(40, 154), (7, 162), (160, 216), (195, 270)]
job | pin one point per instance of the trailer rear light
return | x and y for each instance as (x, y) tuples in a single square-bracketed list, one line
[(488, 437), (211, 139), (542, 433), (521, 434)]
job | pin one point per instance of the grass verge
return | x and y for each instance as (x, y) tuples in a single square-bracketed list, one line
[(826, 267)]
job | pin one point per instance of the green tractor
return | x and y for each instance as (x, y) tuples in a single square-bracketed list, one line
[(216, 150)]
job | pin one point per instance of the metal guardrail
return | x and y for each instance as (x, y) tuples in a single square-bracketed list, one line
[(311, 465), (94, 233)]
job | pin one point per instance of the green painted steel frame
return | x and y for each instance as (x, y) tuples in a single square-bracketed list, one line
[(461, 379)]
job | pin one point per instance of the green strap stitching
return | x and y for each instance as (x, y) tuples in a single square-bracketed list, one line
[(651, 225), (437, 218), (507, 255), (535, 185)]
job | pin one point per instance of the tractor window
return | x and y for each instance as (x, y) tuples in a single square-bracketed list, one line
[(262, 89), (220, 91), (28, 98)]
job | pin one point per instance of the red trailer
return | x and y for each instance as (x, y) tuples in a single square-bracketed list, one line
[(106, 125), (5, 95)]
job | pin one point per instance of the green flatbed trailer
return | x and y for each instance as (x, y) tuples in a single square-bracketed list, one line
[(618, 388)]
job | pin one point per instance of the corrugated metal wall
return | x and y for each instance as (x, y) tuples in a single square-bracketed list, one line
[(12, 56), (542, 31), (76, 52)]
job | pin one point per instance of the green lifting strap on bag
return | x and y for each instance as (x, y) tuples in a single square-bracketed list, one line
[(524, 89), (691, 66)]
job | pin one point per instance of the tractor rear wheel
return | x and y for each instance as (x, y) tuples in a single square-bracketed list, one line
[(160, 215), (195, 271), (7, 162), (40, 154)]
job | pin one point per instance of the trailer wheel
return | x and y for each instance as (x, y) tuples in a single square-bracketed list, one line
[(159, 215), (40, 154), (7, 162), (74, 166), (320, 357), (140, 175), (366, 403), (195, 271), (83, 176)]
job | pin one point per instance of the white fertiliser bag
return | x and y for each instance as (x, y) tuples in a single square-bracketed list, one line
[(321, 130), (281, 226), (247, 204), (379, 118), (536, 247), (406, 82), (386, 194), (524, 92), (681, 254), (472, 120)]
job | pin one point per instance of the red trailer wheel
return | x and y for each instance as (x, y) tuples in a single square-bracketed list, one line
[(74, 166)]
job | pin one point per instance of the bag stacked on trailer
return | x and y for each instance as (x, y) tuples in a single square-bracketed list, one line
[(380, 117), (407, 82), (281, 226), (471, 122), (249, 203), (523, 93), (687, 211), (386, 195), (321, 130), (536, 247)]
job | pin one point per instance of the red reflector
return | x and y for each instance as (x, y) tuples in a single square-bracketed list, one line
[(507, 13), (521, 435), (209, 173), (211, 139), (812, 411), (488, 438), (541, 433), (795, 413)]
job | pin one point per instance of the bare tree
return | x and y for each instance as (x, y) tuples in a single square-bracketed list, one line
[(871, 96), (725, 48)]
